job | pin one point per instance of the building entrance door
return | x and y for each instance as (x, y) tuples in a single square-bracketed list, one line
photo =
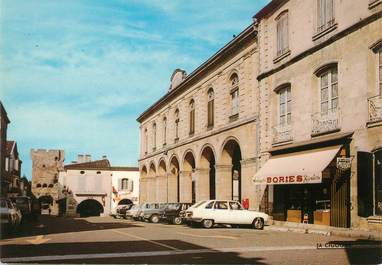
[(340, 199)]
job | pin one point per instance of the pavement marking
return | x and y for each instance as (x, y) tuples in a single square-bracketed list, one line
[(212, 236), (38, 240), (167, 253), (145, 239)]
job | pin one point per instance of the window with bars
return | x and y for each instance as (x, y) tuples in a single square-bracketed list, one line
[(325, 14), (234, 94), (329, 90), (282, 34), (192, 117), (285, 107), (211, 98)]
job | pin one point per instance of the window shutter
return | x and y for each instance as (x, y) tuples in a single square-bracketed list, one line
[(365, 183), (6, 164), (120, 184), (130, 185)]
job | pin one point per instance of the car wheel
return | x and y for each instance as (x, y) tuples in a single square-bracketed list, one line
[(154, 219), (258, 223), (207, 223), (177, 220)]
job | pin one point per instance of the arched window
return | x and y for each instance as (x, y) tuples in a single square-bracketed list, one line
[(154, 136), (164, 130), (234, 96), (282, 33), (192, 117), (50, 186), (44, 185), (211, 97), (329, 90), (124, 184), (176, 125), (38, 185)]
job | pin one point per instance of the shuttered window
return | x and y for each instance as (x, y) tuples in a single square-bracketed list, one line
[(124, 183), (285, 108), (282, 34), (176, 124), (164, 130), (365, 183), (234, 94), (154, 136), (325, 14)]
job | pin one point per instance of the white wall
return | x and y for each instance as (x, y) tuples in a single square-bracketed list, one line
[(124, 194)]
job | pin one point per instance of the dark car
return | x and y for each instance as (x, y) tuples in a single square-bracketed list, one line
[(172, 213), (24, 204)]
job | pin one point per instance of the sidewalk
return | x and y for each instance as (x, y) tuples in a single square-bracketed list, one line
[(323, 230)]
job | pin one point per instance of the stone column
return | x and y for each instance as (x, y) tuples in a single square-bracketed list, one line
[(143, 190), (202, 184), (223, 178), (172, 188), (161, 188), (185, 186), (248, 188)]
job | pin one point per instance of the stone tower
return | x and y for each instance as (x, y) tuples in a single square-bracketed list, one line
[(46, 165)]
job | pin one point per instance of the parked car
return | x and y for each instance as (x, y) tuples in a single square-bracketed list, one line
[(225, 212), (122, 209), (186, 215), (153, 212), (24, 204), (135, 211), (171, 213), (10, 215)]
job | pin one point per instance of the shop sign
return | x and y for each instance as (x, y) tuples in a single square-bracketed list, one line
[(344, 163), (298, 179)]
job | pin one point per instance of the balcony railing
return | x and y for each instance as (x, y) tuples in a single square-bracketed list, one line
[(282, 133), (325, 122), (375, 108)]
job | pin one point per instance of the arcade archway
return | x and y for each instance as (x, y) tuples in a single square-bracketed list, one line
[(89, 207)]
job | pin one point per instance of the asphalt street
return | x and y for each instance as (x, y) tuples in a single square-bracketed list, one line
[(108, 240)]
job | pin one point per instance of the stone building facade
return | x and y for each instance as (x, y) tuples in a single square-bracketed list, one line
[(4, 121), (199, 140), (319, 85), (46, 165)]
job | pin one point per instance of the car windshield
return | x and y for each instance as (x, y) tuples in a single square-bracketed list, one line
[(198, 204), (173, 206)]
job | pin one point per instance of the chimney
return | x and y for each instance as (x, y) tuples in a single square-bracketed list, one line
[(88, 158), (104, 157), (80, 158)]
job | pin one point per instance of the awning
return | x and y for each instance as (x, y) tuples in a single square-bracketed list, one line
[(296, 168)]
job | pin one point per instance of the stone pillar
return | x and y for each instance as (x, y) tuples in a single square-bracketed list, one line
[(143, 190), (202, 179), (161, 188), (248, 188), (186, 186), (223, 178), (172, 188), (151, 189)]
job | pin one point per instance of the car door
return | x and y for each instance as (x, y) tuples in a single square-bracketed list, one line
[(237, 213), (221, 212)]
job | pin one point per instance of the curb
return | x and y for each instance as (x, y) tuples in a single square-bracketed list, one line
[(350, 233)]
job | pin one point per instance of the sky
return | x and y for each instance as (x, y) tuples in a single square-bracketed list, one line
[(76, 74)]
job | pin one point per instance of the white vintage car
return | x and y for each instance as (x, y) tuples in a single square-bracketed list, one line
[(213, 212)]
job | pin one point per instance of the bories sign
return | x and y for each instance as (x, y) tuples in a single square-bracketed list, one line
[(297, 179)]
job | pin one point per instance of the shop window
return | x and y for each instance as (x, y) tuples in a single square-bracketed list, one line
[(365, 183), (282, 34), (192, 117), (211, 98), (325, 14)]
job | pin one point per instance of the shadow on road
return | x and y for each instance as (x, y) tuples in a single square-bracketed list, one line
[(356, 250), (54, 225), (156, 251)]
